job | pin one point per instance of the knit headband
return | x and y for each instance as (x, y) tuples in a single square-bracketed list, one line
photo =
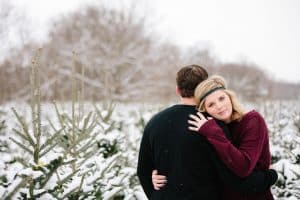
[(211, 91)]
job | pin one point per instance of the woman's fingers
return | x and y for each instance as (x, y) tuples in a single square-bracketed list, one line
[(192, 122), (157, 177), (196, 121), (192, 128), (201, 116), (158, 186), (194, 117), (158, 181)]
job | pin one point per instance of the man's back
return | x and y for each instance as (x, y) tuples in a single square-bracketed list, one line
[(168, 146)]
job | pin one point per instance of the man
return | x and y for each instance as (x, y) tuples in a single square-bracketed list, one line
[(190, 164)]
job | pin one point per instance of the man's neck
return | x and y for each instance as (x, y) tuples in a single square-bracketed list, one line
[(188, 101)]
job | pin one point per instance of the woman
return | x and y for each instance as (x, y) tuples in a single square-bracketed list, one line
[(249, 149), (249, 132)]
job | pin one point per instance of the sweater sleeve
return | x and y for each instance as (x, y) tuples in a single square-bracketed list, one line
[(240, 160), (258, 181), (145, 165)]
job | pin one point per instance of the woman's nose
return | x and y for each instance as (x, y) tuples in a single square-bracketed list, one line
[(218, 105)]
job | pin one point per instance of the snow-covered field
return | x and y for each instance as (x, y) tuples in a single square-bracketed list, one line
[(91, 153)]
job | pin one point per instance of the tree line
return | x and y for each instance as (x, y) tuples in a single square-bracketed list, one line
[(115, 56)]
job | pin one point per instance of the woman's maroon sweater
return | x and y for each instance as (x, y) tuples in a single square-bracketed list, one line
[(248, 150)]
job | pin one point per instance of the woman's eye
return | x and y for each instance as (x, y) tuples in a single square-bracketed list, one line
[(222, 98), (210, 105)]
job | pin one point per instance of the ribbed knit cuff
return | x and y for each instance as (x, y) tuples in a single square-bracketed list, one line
[(208, 127), (273, 176)]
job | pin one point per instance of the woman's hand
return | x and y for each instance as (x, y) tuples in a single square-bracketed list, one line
[(196, 121), (158, 181)]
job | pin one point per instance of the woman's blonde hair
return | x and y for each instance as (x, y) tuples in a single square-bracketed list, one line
[(211, 84)]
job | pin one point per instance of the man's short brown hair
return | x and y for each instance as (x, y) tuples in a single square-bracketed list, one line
[(188, 78)]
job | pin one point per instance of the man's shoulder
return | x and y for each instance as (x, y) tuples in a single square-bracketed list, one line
[(174, 110), (171, 115), (162, 114), (158, 120)]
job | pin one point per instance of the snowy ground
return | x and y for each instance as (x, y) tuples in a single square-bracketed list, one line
[(110, 169)]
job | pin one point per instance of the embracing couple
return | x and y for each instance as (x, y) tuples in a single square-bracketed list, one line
[(207, 147)]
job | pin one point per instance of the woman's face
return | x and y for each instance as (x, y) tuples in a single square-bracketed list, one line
[(219, 106)]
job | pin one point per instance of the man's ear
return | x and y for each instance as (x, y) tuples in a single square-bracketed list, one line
[(178, 91)]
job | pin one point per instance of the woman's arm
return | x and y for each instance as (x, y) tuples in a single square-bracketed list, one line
[(240, 160), (258, 181)]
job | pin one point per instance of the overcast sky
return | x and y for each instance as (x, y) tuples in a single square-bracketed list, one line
[(266, 32)]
